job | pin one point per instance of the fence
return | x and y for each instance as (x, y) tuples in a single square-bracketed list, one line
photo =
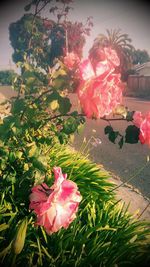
[(138, 85)]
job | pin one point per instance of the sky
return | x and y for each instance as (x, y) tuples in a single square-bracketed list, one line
[(132, 17)]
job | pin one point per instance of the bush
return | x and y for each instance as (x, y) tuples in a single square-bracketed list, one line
[(7, 77)]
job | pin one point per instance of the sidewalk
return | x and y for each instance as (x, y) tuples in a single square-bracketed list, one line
[(138, 204)]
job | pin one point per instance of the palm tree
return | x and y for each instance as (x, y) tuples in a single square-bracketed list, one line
[(119, 42)]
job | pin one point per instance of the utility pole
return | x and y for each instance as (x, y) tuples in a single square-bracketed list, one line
[(10, 65)]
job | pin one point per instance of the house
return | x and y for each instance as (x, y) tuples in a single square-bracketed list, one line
[(143, 69)]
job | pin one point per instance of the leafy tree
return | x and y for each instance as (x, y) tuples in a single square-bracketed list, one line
[(140, 56), (21, 36), (118, 41), (51, 39)]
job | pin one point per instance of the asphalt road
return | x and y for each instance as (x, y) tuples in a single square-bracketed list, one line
[(130, 162), (126, 162)]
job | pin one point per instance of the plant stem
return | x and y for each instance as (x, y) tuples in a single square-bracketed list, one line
[(83, 115), (13, 261)]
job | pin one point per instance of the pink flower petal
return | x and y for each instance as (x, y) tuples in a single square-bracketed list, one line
[(86, 70), (99, 96), (103, 68)]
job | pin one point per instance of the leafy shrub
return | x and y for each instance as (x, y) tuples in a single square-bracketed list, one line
[(7, 77)]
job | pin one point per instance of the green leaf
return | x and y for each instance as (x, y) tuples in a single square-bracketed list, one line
[(19, 154), (5, 128), (132, 134), (59, 72), (30, 81), (33, 150), (18, 106), (70, 126), (113, 136), (108, 129), (63, 138), (64, 105), (3, 227), (133, 239), (5, 251), (27, 7), (12, 156), (40, 163)]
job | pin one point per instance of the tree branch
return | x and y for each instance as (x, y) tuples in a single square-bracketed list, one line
[(40, 96), (36, 99), (35, 14)]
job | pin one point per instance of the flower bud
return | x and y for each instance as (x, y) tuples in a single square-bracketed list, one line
[(120, 110), (19, 240)]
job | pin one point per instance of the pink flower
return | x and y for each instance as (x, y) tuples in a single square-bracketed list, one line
[(71, 60), (56, 206), (143, 122), (100, 90)]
